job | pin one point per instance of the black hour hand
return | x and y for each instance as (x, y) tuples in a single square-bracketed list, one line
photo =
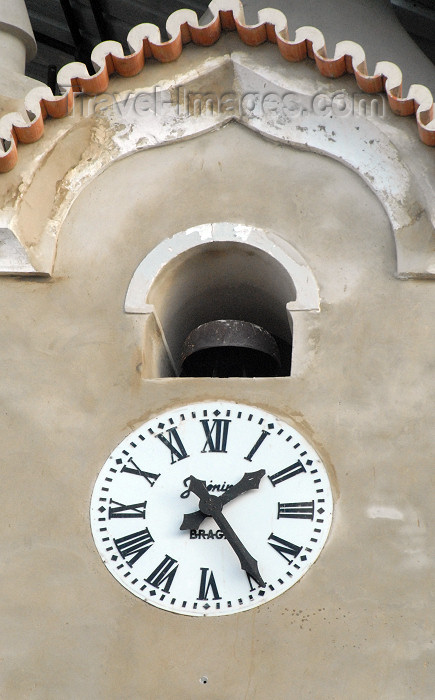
[(249, 481)]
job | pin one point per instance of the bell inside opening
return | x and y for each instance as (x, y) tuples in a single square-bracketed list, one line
[(230, 348)]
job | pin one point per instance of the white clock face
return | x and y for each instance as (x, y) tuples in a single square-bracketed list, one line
[(252, 496)]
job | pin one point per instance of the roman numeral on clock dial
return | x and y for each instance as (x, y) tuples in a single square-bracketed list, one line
[(304, 510), (134, 545), (284, 547), (287, 473), (208, 582), (164, 573), (133, 510), (261, 439), (216, 436), (134, 469), (253, 585), (174, 444)]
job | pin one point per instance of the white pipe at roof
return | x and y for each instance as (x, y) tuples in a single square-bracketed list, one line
[(17, 43)]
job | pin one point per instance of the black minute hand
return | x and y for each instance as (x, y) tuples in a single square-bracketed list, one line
[(247, 561), (249, 481), (212, 506)]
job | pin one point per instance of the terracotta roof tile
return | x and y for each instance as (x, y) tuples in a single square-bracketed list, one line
[(182, 26)]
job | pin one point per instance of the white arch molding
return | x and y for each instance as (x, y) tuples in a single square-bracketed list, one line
[(180, 283)]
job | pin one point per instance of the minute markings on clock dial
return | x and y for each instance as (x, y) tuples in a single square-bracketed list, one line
[(283, 525)]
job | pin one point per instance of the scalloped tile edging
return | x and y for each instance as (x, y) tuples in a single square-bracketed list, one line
[(182, 26)]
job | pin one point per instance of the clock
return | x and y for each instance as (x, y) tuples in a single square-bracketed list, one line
[(211, 508)]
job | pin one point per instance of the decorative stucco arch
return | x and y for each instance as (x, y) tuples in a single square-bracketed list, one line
[(376, 146)]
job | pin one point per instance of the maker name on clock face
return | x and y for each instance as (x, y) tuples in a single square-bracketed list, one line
[(211, 508)]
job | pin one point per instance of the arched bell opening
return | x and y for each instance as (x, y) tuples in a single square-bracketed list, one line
[(235, 284), (222, 299)]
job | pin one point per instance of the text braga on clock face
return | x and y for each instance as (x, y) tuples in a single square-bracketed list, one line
[(211, 508)]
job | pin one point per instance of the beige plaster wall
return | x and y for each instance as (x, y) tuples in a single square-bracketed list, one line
[(358, 624)]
